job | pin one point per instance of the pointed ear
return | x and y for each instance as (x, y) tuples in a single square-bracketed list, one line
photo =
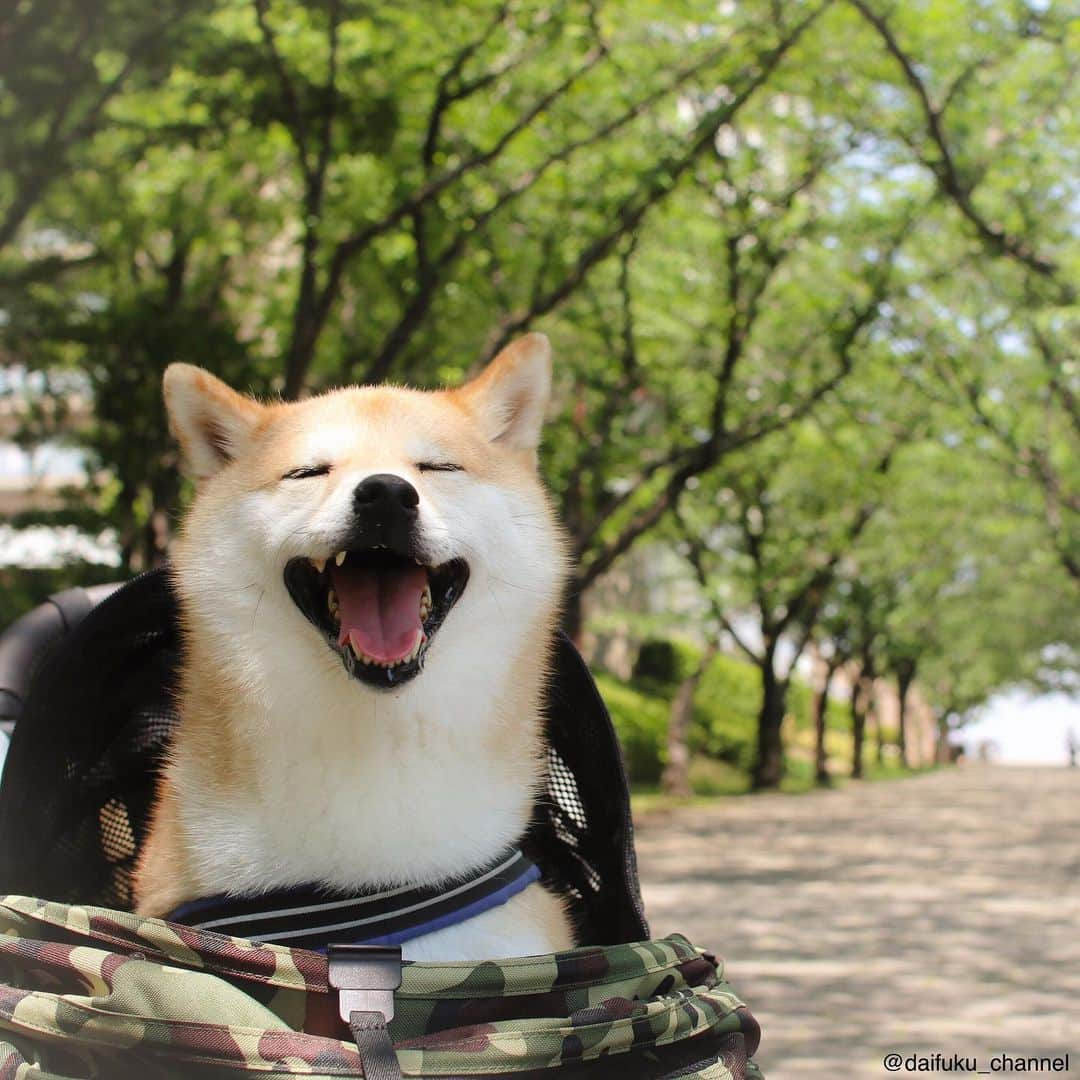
[(211, 421), (510, 395)]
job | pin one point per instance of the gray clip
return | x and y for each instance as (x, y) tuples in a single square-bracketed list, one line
[(365, 977)]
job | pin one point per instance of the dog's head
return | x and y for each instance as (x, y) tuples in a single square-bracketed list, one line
[(381, 525)]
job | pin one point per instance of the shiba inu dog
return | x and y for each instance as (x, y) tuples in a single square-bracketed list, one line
[(369, 582)]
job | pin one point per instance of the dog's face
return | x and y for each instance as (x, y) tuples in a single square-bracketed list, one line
[(389, 525)]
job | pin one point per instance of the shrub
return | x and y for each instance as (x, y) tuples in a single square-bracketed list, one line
[(663, 663), (725, 712), (641, 721)]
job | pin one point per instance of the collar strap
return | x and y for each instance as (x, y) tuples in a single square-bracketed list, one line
[(311, 917)]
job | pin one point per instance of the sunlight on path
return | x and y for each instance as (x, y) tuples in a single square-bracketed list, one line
[(934, 913)]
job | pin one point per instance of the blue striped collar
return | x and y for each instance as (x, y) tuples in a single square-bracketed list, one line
[(314, 917)]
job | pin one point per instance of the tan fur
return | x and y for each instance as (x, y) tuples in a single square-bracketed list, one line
[(162, 876)]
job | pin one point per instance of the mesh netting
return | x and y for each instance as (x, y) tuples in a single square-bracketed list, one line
[(80, 774)]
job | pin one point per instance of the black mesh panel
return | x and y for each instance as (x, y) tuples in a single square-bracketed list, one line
[(80, 773)]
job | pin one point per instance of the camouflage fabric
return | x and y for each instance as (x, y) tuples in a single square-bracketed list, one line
[(89, 992)]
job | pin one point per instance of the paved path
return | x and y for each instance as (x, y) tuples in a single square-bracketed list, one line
[(937, 913)]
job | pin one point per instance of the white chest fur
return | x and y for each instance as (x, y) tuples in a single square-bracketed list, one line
[(361, 790)]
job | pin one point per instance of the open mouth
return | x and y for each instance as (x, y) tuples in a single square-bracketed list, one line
[(377, 609)]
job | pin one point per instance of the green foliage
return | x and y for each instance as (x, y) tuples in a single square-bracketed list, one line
[(641, 720), (791, 276), (724, 724), (663, 663), (725, 712)]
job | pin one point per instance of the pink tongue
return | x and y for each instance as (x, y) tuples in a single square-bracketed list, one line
[(380, 609)]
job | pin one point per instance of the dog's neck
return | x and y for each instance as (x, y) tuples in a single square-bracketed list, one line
[(309, 777)]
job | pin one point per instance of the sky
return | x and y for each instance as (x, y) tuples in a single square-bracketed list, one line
[(1027, 728)]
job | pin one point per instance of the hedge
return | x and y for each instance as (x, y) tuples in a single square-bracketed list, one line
[(724, 727)]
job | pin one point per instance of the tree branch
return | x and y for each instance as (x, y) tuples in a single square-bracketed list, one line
[(944, 167), (695, 549), (445, 96), (629, 215)]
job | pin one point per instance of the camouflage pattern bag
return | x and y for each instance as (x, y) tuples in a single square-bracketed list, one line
[(90, 992)]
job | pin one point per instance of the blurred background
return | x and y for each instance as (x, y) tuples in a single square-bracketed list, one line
[(810, 272)]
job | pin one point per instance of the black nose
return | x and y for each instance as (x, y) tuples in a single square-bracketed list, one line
[(385, 493)]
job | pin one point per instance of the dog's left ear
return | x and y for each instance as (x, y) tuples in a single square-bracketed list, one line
[(211, 421), (510, 395)]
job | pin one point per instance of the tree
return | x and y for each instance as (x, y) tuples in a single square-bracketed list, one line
[(980, 116), (785, 535), (65, 62), (675, 779), (957, 587), (957, 93), (351, 232), (770, 283)]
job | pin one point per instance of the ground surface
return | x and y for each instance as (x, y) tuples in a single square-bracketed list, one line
[(937, 913)]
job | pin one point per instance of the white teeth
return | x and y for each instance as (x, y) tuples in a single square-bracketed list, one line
[(425, 602), (421, 641), (339, 558), (319, 564), (332, 602)]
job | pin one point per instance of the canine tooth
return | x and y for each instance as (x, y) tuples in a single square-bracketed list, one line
[(339, 558), (332, 602), (319, 564)]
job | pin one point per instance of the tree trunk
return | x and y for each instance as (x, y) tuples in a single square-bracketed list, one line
[(858, 729), (943, 754), (821, 707), (573, 614), (155, 540), (768, 768), (299, 357), (309, 314), (879, 734), (676, 776), (862, 702), (905, 676)]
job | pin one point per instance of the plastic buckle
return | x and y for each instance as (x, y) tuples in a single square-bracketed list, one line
[(365, 977)]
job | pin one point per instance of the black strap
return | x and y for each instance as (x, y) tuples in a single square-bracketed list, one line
[(376, 1050), (73, 604)]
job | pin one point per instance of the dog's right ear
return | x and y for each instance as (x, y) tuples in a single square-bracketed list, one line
[(210, 420)]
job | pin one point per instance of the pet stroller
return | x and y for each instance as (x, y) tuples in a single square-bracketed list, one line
[(89, 989)]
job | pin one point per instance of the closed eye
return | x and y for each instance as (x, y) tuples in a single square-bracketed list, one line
[(439, 466), (303, 472)]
